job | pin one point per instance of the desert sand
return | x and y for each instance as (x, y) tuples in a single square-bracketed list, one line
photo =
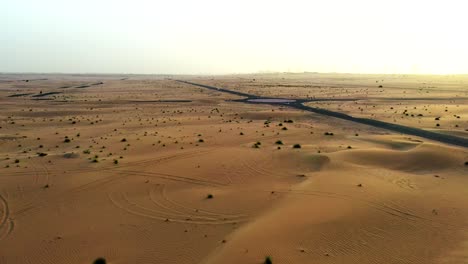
[(146, 169)]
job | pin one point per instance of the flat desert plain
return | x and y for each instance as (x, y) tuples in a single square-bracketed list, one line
[(147, 169)]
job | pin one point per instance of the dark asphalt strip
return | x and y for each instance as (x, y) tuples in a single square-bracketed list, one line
[(298, 104)]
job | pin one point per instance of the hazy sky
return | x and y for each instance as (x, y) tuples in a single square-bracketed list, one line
[(217, 36)]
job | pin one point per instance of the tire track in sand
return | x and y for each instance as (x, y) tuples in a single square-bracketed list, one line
[(6, 224), (122, 201), (117, 174)]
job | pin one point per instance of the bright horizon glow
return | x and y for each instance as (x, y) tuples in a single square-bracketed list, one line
[(221, 37)]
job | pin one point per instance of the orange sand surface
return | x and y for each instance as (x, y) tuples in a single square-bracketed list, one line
[(144, 169)]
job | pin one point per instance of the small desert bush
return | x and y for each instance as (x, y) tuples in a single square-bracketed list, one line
[(100, 261)]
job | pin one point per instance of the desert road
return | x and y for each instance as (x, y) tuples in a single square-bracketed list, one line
[(299, 104)]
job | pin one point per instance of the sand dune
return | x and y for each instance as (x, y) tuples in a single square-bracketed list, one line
[(423, 158), (389, 219), (125, 170)]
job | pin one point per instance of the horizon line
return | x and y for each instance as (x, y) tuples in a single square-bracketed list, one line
[(233, 73)]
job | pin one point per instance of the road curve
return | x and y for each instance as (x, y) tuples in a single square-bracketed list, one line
[(299, 104)]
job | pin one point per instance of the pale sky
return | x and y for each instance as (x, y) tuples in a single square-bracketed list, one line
[(217, 36)]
